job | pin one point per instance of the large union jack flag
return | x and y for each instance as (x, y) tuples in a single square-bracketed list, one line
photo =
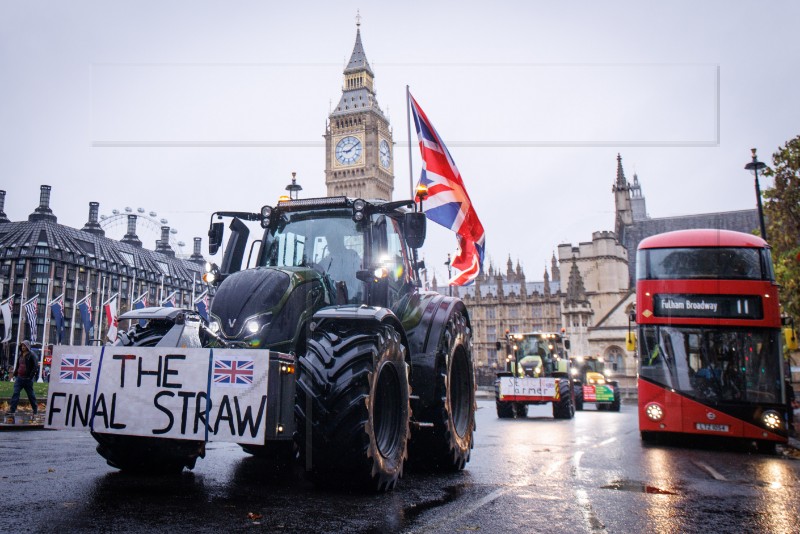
[(75, 369), (448, 203), (233, 372)]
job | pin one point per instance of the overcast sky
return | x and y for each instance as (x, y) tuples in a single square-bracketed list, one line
[(184, 108)]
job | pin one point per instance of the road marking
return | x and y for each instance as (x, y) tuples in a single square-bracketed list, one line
[(591, 519), (606, 442), (710, 470), (576, 460), (553, 467)]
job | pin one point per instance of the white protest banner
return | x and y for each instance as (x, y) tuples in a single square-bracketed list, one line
[(162, 392), (519, 388)]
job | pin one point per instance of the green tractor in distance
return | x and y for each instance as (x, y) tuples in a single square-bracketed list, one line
[(370, 371), (537, 372), (592, 385)]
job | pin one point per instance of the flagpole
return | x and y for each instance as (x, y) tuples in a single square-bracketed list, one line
[(194, 283), (46, 324), (133, 291), (19, 323), (99, 328), (74, 307), (408, 124)]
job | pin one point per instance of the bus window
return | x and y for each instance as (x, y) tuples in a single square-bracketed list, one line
[(700, 263)]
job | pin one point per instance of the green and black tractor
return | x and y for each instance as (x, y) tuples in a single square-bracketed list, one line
[(368, 372)]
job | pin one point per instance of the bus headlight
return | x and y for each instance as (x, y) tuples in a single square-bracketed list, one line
[(654, 411), (772, 419)]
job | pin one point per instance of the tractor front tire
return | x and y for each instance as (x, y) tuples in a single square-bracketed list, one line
[(352, 406), (505, 410), (563, 407), (447, 445)]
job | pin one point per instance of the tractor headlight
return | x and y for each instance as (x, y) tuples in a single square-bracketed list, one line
[(214, 327), (573, 371), (252, 326), (772, 419), (358, 210), (654, 411)]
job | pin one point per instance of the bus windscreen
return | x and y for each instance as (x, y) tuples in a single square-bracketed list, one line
[(713, 365), (700, 263)]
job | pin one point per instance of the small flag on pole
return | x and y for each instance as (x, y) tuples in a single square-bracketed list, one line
[(138, 304), (5, 308), (448, 203), (57, 308), (31, 311), (110, 308), (201, 303), (85, 307), (170, 301)]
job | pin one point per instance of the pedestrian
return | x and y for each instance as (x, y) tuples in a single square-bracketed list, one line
[(24, 374)]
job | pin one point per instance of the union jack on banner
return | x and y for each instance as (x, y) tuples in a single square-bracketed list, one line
[(236, 373), (448, 203), (75, 369)]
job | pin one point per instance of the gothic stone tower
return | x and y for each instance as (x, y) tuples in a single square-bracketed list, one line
[(359, 152)]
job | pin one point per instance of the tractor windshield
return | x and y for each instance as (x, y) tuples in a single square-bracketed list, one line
[(327, 240)]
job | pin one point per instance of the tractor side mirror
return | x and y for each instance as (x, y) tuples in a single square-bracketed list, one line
[(498, 345), (414, 226), (566, 344), (215, 237), (234, 251)]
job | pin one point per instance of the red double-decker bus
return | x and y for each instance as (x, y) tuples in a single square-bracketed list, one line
[(709, 337)]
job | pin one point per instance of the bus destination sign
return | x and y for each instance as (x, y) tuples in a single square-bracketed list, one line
[(716, 306)]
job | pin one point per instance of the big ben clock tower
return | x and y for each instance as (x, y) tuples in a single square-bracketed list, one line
[(359, 152)]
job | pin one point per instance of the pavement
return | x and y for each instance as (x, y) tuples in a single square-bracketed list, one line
[(23, 419)]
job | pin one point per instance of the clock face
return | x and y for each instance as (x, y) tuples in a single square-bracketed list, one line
[(348, 150), (386, 155)]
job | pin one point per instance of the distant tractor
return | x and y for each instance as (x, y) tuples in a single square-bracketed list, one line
[(590, 384), (537, 372)]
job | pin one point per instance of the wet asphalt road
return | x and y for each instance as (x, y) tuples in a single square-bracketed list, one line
[(590, 474)]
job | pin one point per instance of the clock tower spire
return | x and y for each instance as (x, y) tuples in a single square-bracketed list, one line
[(359, 151)]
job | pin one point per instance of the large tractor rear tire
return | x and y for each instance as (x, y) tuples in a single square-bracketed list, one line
[(352, 406), (448, 444), (144, 455), (563, 407)]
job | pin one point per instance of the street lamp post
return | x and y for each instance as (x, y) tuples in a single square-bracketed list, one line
[(755, 166)]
